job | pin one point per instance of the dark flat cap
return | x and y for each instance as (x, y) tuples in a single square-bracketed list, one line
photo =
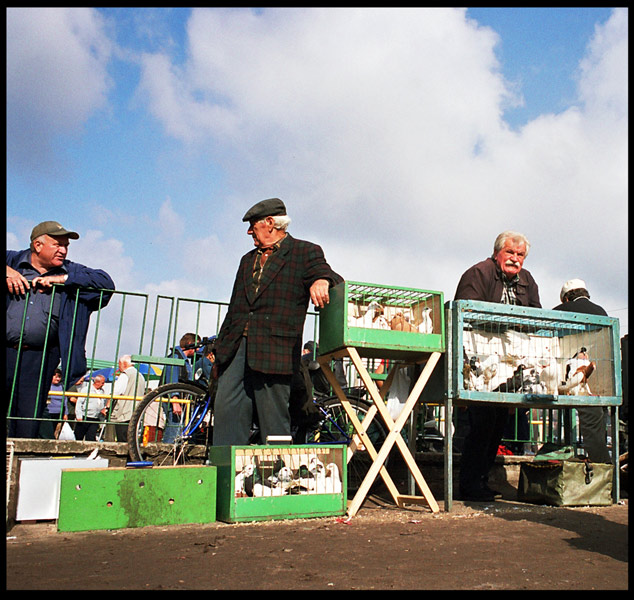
[(52, 228), (272, 207)]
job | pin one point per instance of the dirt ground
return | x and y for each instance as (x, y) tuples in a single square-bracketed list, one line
[(476, 546)]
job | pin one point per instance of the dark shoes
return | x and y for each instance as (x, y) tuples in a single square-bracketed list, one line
[(483, 494)]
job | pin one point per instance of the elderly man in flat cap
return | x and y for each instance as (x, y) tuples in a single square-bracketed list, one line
[(259, 344), (575, 297), (48, 312)]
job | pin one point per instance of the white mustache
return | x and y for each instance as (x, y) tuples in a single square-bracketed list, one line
[(512, 263)]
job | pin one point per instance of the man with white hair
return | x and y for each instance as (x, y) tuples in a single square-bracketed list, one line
[(259, 344), (500, 278), (574, 297), (131, 385), (90, 410)]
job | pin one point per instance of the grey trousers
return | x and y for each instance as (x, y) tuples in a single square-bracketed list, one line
[(240, 390)]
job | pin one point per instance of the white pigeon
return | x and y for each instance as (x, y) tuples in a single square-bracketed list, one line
[(247, 471), (316, 467), (490, 367), (333, 479), (549, 377), (260, 490), (426, 325), (373, 318)]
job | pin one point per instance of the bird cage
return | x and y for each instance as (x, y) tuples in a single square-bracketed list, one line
[(548, 359), (257, 483), (382, 321)]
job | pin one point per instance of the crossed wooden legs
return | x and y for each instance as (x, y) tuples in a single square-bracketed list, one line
[(394, 429)]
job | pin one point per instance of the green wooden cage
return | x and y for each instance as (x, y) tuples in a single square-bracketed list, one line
[(382, 321)]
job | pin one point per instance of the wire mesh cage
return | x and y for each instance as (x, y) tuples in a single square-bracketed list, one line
[(273, 482), (262, 471), (503, 353), (377, 318)]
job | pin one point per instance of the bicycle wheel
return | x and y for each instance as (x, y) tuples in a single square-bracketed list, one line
[(336, 428), (168, 426)]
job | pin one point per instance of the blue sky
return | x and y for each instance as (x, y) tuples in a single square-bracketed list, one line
[(402, 140)]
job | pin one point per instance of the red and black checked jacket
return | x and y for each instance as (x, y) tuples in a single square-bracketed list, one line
[(276, 315)]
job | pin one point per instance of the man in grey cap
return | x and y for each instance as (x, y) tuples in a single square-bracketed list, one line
[(259, 344), (574, 297), (46, 323)]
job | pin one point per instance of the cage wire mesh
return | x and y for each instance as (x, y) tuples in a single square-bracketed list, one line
[(522, 354), (398, 309), (263, 472)]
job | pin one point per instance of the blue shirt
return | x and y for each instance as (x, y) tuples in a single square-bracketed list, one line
[(39, 305)]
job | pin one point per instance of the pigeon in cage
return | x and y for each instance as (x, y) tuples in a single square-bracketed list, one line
[(318, 470), (282, 479), (400, 322), (478, 374), (373, 317), (549, 376), (514, 383), (532, 383), (472, 374), (244, 480), (333, 479), (260, 490), (578, 370), (426, 325), (305, 478)]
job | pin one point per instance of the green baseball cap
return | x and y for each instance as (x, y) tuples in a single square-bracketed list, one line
[(52, 228)]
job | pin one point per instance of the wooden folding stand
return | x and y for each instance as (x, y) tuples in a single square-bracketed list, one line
[(394, 428)]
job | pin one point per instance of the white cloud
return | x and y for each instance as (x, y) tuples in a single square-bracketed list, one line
[(56, 79), (171, 224), (383, 131)]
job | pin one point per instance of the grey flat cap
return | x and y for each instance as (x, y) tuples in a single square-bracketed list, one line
[(272, 207)]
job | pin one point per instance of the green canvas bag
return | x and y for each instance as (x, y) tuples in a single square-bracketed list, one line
[(570, 482)]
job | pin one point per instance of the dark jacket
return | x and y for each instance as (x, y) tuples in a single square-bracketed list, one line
[(72, 335), (276, 314), (582, 305), (483, 282)]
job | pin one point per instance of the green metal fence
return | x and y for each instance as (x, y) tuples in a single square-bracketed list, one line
[(148, 329)]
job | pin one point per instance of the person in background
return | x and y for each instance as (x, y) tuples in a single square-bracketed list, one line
[(49, 429), (43, 283), (575, 297), (259, 344), (90, 410), (206, 360), (131, 385), (185, 350), (500, 278)]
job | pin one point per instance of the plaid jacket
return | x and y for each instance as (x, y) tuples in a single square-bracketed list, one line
[(276, 314)]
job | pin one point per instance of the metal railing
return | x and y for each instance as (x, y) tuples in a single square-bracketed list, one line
[(130, 325)]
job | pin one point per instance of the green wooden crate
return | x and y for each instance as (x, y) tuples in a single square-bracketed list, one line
[(347, 321), (234, 505), (116, 498)]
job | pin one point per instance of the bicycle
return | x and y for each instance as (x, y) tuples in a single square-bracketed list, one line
[(194, 429)]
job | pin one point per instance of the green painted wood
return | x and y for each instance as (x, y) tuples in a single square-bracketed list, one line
[(232, 509), (335, 332), (117, 498)]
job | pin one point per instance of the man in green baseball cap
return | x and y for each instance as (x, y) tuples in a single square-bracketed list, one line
[(49, 303)]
